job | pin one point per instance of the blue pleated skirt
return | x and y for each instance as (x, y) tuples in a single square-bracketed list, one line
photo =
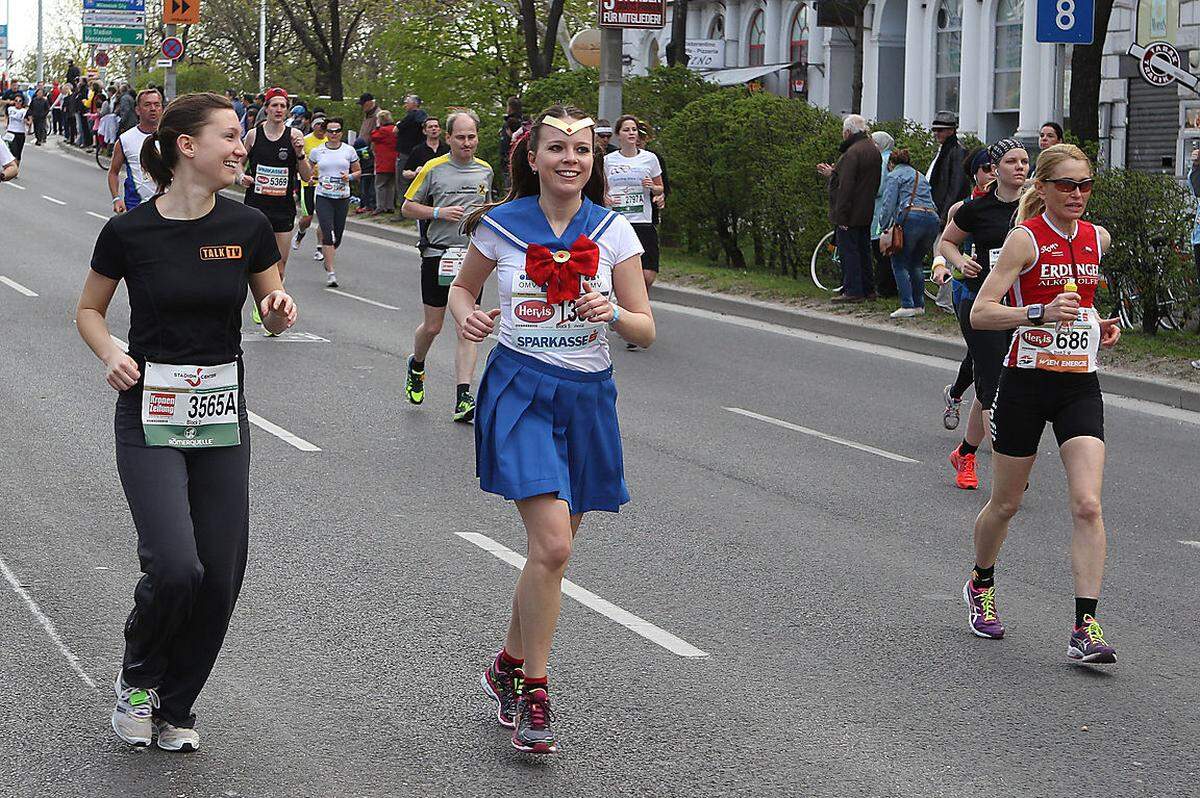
[(541, 428)]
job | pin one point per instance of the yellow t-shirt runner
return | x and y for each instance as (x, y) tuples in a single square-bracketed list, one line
[(308, 188)]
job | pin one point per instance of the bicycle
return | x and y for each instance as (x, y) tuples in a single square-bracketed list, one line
[(104, 154), (825, 268)]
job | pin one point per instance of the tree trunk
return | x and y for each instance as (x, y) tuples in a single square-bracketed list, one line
[(1085, 78), (676, 50), (550, 41), (733, 255), (530, 32)]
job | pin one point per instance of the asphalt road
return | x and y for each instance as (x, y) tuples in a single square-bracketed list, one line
[(821, 580)]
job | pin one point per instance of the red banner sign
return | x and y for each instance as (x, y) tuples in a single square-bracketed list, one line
[(633, 14)]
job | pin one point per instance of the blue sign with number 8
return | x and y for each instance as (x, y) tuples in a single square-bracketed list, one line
[(1066, 21)]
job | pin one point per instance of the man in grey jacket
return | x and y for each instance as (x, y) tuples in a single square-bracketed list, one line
[(853, 183)]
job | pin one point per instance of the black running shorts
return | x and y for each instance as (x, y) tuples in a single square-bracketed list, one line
[(281, 217), (432, 294), (1028, 398), (308, 200), (648, 235)]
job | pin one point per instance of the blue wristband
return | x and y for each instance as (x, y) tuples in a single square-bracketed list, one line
[(616, 314), (435, 213)]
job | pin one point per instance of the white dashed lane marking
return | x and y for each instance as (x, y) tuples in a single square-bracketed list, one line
[(862, 447), (52, 199), (14, 285), (590, 600)]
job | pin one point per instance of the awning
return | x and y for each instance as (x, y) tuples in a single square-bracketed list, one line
[(739, 75)]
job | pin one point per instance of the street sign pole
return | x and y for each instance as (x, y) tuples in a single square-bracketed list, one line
[(41, 53), (262, 46), (169, 74), (610, 73)]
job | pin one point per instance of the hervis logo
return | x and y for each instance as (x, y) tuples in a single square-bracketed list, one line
[(228, 252), (1039, 338), (534, 311)]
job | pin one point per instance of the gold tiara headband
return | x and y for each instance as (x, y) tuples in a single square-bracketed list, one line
[(570, 128)]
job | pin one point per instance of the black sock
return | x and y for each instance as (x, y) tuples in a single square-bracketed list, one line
[(418, 365), (300, 235), (1084, 606), (983, 578), (463, 389), (965, 448)]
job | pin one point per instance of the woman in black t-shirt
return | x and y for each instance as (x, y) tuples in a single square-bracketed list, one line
[(987, 220), (182, 435)]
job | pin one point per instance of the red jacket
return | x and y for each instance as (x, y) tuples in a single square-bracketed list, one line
[(383, 142)]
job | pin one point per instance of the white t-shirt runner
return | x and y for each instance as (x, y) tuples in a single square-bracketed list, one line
[(331, 165), (528, 323), (625, 175), (16, 119)]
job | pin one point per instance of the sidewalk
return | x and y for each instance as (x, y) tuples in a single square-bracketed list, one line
[(1123, 382)]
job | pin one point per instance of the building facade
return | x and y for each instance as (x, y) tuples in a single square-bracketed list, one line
[(978, 58)]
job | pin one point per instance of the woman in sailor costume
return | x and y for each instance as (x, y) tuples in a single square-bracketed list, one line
[(546, 430)]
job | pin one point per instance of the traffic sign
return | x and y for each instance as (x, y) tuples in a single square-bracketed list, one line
[(181, 12), (163, 63), (114, 5), (114, 19), (1066, 21), (135, 37), (172, 48), (101, 58)]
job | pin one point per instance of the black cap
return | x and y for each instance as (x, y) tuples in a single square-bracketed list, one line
[(365, 98)]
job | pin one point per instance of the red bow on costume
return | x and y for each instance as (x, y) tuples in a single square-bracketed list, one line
[(560, 272)]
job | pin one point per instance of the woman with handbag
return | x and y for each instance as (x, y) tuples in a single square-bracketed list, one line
[(910, 222)]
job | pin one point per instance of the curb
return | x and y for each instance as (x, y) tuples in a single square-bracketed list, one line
[(1163, 391)]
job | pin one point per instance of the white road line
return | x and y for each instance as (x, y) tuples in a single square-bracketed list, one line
[(46, 625), (52, 199), (362, 299), (99, 216), (589, 599), (14, 285), (1195, 543), (10, 184), (282, 434), (862, 447)]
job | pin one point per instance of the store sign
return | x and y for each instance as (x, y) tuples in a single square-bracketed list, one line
[(705, 54), (1066, 21), (650, 14), (1159, 61)]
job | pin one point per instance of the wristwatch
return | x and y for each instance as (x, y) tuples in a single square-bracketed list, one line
[(1035, 313)]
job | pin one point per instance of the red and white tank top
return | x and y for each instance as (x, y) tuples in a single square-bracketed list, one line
[(1061, 260)]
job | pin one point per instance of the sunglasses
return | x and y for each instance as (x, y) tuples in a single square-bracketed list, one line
[(1066, 185), (333, 130)]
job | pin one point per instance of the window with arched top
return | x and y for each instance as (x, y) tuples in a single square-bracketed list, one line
[(1006, 84), (757, 39), (716, 28), (798, 53), (948, 63)]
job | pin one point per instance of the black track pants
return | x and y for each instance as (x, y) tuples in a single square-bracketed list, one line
[(192, 512)]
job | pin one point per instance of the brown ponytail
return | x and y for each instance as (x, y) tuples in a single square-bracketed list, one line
[(185, 116), (525, 181)]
